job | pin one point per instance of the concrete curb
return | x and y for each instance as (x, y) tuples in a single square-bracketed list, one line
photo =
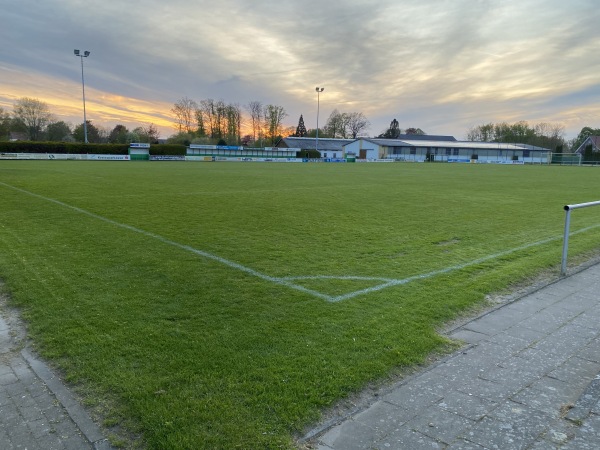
[(90, 430)]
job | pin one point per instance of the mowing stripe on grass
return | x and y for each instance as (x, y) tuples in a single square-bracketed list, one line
[(202, 253), (289, 281)]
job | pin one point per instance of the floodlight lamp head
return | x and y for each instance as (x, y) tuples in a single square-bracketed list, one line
[(86, 53), (319, 89), (76, 52)]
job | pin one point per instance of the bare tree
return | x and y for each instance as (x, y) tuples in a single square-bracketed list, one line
[(481, 133), (273, 117), (557, 134), (219, 121), (185, 114), (201, 131), (334, 127), (214, 113), (542, 135), (357, 123), (255, 109), (207, 111), (5, 123), (550, 135), (220, 116), (33, 114), (345, 125), (234, 123)]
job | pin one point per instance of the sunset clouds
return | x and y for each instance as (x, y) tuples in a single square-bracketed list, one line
[(443, 66)]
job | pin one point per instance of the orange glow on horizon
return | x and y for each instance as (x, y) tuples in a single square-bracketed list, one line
[(64, 99)]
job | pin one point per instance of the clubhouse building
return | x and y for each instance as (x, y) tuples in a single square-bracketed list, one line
[(420, 148)]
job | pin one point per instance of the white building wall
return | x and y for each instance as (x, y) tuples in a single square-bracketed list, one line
[(372, 149), (449, 152)]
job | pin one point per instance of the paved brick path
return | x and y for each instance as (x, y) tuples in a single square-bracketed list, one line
[(527, 378), (36, 411)]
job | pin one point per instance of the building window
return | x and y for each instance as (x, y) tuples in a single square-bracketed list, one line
[(455, 151), (526, 153), (324, 155), (448, 151), (413, 151)]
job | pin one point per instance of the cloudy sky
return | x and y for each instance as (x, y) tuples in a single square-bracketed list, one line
[(440, 65)]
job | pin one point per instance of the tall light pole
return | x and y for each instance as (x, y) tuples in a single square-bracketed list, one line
[(85, 54), (319, 90)]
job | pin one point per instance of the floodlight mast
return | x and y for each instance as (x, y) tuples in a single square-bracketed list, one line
[(81, 56), (319, 90)]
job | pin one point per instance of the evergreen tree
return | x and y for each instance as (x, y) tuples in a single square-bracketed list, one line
[(300, 129), (393, 132)]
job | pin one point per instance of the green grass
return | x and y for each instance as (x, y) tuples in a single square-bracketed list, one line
[(192, 353)]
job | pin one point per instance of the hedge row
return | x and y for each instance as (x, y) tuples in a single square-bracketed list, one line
[(168, 149), (80, 148)]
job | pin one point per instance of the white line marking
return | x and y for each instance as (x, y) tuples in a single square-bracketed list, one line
[(287, 281), (336, 277), (453, 268), (202, 253)]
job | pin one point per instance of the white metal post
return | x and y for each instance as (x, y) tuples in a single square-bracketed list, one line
[(84, 115), (319, 90), (568, 208), (563, 265), (85, 54)]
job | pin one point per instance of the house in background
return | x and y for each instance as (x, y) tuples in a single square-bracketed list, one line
[(17, 136), (589, 150), (591, 141)]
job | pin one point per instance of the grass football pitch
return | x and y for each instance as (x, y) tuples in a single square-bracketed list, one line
[(225, 305)]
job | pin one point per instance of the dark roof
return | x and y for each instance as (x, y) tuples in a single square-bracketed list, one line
[(452, 143), (403, 138), (310, 143), (425, 137), (594, 141)]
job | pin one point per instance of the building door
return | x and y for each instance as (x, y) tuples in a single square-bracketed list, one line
[(362, 154)]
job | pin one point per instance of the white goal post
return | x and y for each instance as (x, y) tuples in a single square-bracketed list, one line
[(566, 159)]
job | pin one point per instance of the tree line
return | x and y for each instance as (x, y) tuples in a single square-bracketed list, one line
[(546, 135), (256, 124), (31, 119), (212, 121)]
